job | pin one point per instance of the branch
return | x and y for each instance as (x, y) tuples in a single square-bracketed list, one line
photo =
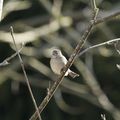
[(25, 74), (103, 116), (1, 7), (117, 47), (105, 19), (118, 66), (67, 66), (95, 9), (98, 45), (6, 61)]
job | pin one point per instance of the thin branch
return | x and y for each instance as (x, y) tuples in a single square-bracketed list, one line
[(95, 9), (1, 7), (47, 5), (117, 47), (105, 19), (25, 74), (64, 106), (56, 8), (6, 61), (118, 66), (98, 45), (93, 4), (67, 66), (103, 116)]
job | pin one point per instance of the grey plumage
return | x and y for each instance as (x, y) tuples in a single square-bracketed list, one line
[(58, 61)]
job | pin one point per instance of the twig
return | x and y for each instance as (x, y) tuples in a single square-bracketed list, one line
[(1, 7), (117, 47), (103, 117), (67, 66), (93, 5), (95, 9), (118, 66), (26, 78), (98, 45), (56, 8), (6, 61), (105, 19)]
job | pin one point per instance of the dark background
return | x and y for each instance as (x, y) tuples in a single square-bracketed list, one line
[(29, 15)]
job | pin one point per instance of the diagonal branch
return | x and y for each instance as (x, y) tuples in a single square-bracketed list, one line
[(25, 74), (108, 18), (98, 45), (1, 7), (6, 61), (67, 66)]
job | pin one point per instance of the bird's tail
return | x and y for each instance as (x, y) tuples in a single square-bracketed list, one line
[(73, 74)]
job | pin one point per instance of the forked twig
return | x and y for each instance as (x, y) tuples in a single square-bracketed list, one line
[(23, 69)]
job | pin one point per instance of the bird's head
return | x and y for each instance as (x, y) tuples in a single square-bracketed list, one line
[(56, 53)]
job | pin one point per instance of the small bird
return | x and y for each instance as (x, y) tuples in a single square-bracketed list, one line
[(58, 61)]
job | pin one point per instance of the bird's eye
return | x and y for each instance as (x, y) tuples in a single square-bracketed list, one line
[(55, 52)]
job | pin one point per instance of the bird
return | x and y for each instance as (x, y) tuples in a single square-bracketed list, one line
[(58, 61)]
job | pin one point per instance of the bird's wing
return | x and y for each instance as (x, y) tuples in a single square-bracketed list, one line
[(64, 59)]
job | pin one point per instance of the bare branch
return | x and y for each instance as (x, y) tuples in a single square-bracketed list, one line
[(117, 47), (67, 66), (118, 66), (56, 9), (98, 45), (108, 18), (25, 74), (6, 61), (1, 7), (95, 9), (103, 116)]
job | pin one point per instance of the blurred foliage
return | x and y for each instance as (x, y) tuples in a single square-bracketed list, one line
[(42, 29)]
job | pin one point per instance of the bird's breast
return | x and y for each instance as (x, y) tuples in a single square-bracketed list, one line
[(56, 65)]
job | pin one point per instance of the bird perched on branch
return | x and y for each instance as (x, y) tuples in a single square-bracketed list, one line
[(58, 61)]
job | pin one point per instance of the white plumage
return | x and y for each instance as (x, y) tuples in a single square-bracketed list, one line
[(58, 61)]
